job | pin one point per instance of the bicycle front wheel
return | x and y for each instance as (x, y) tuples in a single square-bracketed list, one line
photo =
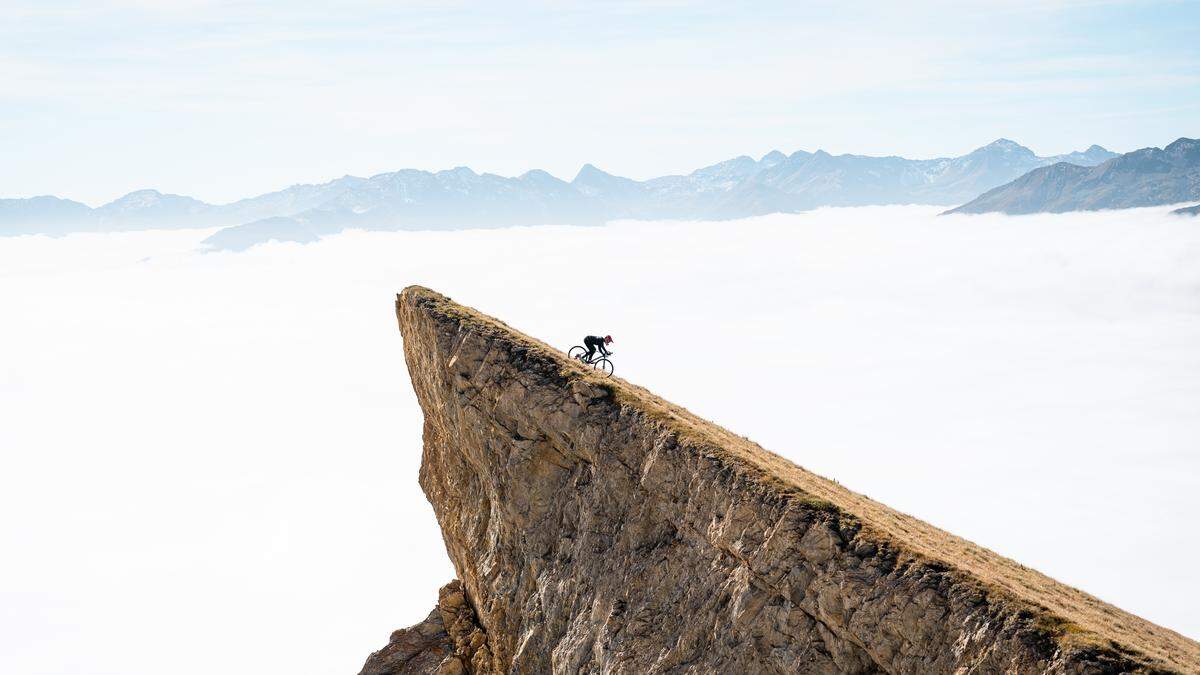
[(605, 365), (576, 352)]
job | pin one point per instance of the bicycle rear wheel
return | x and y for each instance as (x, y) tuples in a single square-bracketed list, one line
[(605, 365), (576, 352)]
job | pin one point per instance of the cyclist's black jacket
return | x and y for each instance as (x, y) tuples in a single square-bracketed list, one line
[(592, 341)]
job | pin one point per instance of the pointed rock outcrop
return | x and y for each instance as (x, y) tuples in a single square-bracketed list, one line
[(598, 528)]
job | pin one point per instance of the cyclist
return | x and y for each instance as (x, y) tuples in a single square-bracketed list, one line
[(593, 343)]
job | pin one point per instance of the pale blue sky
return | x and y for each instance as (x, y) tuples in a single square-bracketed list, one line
[(224, 99)]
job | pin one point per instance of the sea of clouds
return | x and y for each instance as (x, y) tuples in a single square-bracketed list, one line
[(210, 460)]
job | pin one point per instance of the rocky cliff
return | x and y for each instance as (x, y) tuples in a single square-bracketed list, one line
[(597, 528)]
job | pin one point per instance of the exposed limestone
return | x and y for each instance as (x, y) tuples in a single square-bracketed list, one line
[(597, 528), (420, 649), (447, 642)]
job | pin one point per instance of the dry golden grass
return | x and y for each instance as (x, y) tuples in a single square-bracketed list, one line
[(1074, 618)]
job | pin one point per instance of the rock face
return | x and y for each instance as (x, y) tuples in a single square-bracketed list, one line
[(598, 528), (448, 641)]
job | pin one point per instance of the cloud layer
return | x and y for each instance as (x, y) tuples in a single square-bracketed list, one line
[(210, 460)]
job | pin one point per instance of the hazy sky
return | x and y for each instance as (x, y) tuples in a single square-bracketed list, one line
[(224, 98)]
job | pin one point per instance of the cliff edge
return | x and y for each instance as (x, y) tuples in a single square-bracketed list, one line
[(598, 528)]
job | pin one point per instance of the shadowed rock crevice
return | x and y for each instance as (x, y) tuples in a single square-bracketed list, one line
[(598, 528)]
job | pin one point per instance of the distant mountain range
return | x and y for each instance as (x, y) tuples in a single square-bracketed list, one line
[(461, 198), (1146, 177)]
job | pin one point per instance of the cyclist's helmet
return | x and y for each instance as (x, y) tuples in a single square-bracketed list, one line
[(607, 339)]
